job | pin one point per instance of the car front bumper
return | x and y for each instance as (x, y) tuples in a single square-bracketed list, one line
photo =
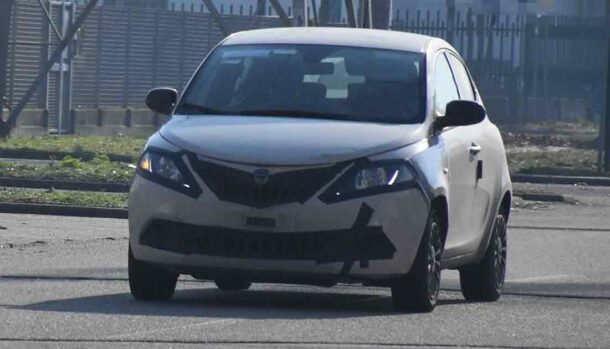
[(370, 238)]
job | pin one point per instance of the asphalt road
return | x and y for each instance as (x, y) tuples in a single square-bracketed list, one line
[(63, 283)]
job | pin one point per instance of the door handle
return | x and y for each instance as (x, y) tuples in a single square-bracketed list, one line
[(474, 149)]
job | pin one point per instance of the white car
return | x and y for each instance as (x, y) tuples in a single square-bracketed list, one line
[(323, 156)]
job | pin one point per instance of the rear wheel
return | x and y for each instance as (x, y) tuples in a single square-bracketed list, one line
[(419, 289), (485, 281), (149, 282), (232, 283)]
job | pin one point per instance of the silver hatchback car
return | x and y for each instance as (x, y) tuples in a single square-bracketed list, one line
[(320, 156)]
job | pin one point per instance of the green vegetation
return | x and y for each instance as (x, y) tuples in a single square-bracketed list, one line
[(560, 148), (559, 162), (59, 197), (100, 169), (81, 147), (543, 148)]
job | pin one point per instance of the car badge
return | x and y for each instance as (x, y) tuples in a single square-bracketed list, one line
[(261, 176)]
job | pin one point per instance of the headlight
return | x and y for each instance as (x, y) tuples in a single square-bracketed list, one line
[(161, 166), (168, 169), (370, 178)]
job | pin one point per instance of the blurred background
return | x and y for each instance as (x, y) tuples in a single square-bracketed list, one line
[(540, 66)]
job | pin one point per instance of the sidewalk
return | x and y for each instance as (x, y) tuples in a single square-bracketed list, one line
[(590, 212)]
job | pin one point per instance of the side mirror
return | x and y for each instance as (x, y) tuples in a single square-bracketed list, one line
[(461, 113), (162, 100)]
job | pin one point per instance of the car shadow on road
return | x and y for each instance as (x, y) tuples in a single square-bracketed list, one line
[(252, 304)]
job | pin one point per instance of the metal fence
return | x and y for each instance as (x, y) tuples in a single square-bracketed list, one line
[(527, 68)]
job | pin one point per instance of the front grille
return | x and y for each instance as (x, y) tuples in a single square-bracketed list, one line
[(368, 243), (233, 185)]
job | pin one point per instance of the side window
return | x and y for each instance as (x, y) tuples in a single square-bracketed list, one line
[(462, 78), (445, 90)]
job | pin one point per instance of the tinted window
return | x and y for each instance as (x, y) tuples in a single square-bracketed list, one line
[(461, 78), (317, 81), (444, 85)]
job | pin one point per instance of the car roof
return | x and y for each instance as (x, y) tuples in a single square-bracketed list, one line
[(371, 38)]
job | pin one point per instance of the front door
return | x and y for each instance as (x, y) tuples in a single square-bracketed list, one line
[(463, 164)]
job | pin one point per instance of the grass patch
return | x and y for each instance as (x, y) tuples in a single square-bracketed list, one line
[(60, 197), (526, 152), (576, 134), (561, 162), (100, 169), (80, 146)]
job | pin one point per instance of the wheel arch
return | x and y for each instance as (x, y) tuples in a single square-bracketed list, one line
[(503, 207), (505, 204), (440, 203)]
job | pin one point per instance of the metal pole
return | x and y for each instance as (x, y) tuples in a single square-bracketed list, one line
[(450, 20), (314, 9), (324, 13), (216, 16), (367, 14), (351, 14), (5, 129), (60, 97), (605, 121), (46, 12), (300, 15), (281, 13), (381, 13), (6, 7)]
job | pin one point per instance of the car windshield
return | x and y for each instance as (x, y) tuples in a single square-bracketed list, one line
[(310, 81)]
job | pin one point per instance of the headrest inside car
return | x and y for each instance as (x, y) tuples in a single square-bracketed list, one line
[(385, 67)]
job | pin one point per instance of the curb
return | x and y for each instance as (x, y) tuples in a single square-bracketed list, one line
[(32, 154), (63, 185), (62, 210), (552, 179), (529, 196)]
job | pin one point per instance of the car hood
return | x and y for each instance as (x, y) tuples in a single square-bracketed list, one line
[(285, 141)]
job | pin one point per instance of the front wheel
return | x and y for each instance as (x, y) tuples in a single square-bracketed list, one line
[(485, 281), (149, 282), (419, 289)]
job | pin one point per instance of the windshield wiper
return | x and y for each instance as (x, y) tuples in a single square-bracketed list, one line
[(298, 113), (189, 108)]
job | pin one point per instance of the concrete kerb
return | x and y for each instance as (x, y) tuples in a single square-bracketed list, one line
[(63, 210), (63, 185), (552, 179), (531, 196)]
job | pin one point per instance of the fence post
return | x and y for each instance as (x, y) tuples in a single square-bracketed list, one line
[(469, 35), (382, 13), (6, 8), (545, 71), (450, 21), (127, 60), (605, 119), (182, 48), (300, 17), (44, 54), (524, 58), (98, 56), (480, 32)]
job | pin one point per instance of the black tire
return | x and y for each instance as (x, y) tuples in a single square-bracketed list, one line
[(418, 290), (485, 281), (232, 283), (148, 282)]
